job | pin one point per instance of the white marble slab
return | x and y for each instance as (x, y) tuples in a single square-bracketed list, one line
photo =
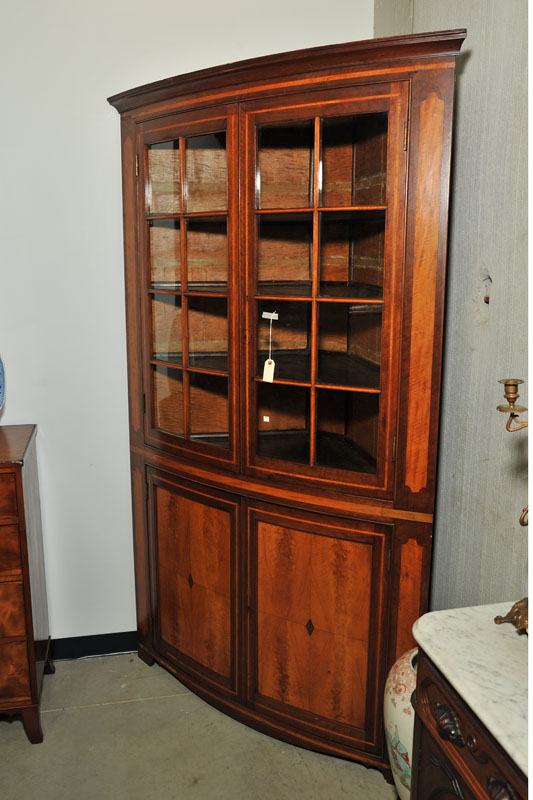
[(486, 664)]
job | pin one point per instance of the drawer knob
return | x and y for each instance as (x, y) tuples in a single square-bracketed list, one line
[(499, 791), (447, 724)]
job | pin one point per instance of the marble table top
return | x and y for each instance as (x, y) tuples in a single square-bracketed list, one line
[(486, 664)]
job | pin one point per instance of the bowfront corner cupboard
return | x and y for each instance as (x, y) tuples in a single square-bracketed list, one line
[(285, 224)]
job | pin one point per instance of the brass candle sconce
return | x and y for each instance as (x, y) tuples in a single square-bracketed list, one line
[(511, 395), (518, 614)]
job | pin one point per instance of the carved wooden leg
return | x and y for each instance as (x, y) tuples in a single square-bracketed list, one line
[(32, 724)]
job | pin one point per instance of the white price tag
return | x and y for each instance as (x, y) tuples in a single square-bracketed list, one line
[(268, 370)]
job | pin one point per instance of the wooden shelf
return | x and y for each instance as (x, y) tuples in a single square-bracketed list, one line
[(335, 370), (329, 291), (344, 370), (205, 363), (333, 450)]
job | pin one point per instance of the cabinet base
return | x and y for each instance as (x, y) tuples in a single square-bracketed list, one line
[(252, 719), (31, 720)]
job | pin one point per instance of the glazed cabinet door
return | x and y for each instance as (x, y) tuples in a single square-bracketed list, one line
[(325, 210), (186, 202), (193, 552), (317, 594)]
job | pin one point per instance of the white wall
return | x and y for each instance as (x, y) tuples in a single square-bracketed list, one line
[(61, 287), (480, 551)]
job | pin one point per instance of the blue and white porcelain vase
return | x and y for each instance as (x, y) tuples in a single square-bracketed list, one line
[(399, 719)]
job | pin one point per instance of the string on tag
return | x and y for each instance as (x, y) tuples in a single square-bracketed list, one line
[(270, 339)]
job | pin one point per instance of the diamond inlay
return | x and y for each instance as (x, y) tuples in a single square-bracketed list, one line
[(190, 580), (310, 627)]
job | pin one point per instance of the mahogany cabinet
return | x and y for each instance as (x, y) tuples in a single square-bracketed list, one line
[(24, 633), (285, 224)]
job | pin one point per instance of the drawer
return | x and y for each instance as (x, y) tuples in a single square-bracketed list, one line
[(433, 777), (14, 673), (10, 561), (12, 620), (463, 739), (8, 493)]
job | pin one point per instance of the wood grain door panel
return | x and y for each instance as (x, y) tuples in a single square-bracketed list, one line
[(316, 603), (12, 616), (14, 676), (193, 541), (10, 558), (8, 494)]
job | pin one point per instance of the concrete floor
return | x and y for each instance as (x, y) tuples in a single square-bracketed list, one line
[(115, 728)]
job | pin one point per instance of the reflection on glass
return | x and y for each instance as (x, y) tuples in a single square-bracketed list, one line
[(209, 409), (167, 394), (349, 344), (347, 430), (285, 255), (208, 333), (286, 166), (354, 160), (352, 254), (207, 255), (166, 328), (291, 339), (165, 254), (207, 172), (283, 422), (163, 185)]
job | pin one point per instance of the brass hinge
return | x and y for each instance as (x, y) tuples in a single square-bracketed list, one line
[(405, 132), (394, 448), (137, 165)]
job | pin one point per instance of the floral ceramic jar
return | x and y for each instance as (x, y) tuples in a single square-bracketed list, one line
[(399, 718)]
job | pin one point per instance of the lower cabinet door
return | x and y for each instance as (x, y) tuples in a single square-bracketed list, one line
[(317, 635), (193, 543)]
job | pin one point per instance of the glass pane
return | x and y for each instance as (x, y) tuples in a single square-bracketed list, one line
[(349, 344), (354, 160), (166, 328), (207, 172), (283, 422), (165, 253), (286, 166), (163, 185), (352, 254), (167, 387), (208, 333), (291, 339), (285, 255), (207, 255), (209, 409), (347, 430)]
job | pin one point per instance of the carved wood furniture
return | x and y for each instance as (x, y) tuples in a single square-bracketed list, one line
[(454, 755), (288, 209), (24, 635)]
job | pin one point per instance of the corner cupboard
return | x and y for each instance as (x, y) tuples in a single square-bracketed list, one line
[(285, 223)]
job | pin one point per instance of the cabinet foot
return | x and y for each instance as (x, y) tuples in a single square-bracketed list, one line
[(49, 668), (32, 724), (146, 657)]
